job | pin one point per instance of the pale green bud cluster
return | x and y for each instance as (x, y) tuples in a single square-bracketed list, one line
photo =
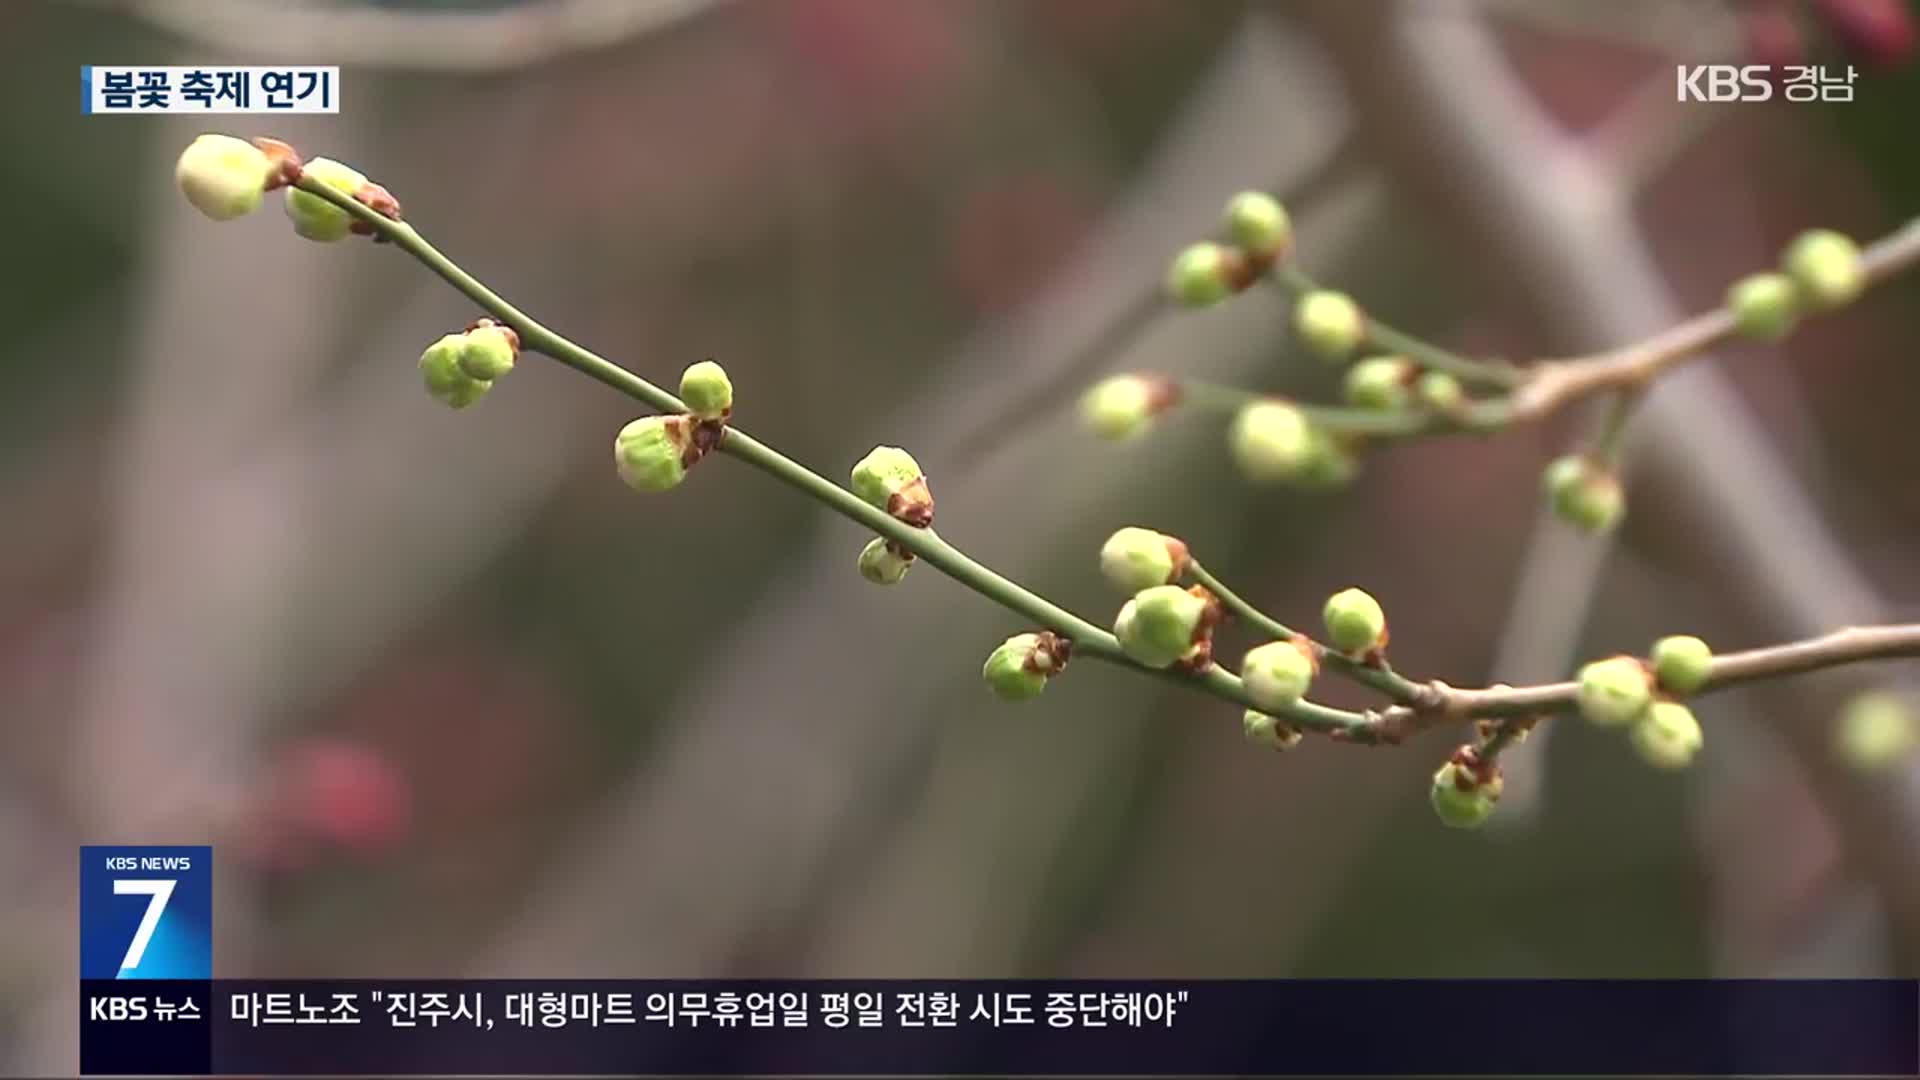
[(706, 391), (459, 369), (1269, 731), (1667, 736), (1273, 442), (1258, 223), (1121, 406), (1765, 306), (1381, 383), (883, 564), (1133, 559), (888, 478), (1355, 622), (1584, 493), (1682, 664), (652, 453), (1018, 669), (223, 177), (1202, 275), (1825, 268), (1614, 692), (1878, 729), (1329, 323), (1278, 674), (1161, 625), (314, 217), (1461, 799)]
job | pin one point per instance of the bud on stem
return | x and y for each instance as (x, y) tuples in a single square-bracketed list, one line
[(889, 478), (1019, 668)]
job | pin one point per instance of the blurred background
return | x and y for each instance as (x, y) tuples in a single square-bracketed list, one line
[(450, 700)]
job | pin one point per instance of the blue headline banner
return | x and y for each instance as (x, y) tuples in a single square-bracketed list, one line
[(1038, 1028)]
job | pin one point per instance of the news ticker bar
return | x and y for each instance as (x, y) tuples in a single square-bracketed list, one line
[(188, 1027)]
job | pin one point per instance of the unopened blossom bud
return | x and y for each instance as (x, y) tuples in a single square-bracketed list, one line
[(1440, 391), (1826, 269), (707, 391), (1130, 632), (1169, 618), (881, 563), (1682, 663), (1877, 729), (651, 453), (1615, 691), (487, 352), (1121, 406), (1585, 493), (223, 177), (1667, 736), (1134, 559), (1271, 441), (1269, 731), (1380, 383), (1258, 223), (446, 381), (1202, 275), (890, 479), (1330, 323), (1330, 462), (1355, 621), (1018, 669), (1278, 674), (1461, 797), (316, 218), (1765, 306)]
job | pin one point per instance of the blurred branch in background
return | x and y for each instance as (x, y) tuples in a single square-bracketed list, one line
[(1438, 97), (364, 36)]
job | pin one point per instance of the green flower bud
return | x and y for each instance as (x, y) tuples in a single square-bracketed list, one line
[(1012, 672), (1330, 323), (1271, 441), (1258, 223), (487, 352), (1278, 673), (1682, 663), (1134, 559), (1380, 383), (1441, 392), (1667, 735), (1329, 464), (1268, 731), (223, 177), (1825, 267), (1585, 494), (1462, 801), (1130, 630), (1120, 407), (882, 565), (651, 453), (316, 218), (446, 381), (890, 479), (1355, 621), (707, 391), (1877, 729), (1204, 274), (1168, 618), (1615, 692), (1765, 306)]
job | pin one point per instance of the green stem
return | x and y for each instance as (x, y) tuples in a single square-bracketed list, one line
[(1379, 677), (1386, 338), (1486, 415), (1088, 639)]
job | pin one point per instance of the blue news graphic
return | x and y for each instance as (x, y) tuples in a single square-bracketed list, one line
[(146, 912)]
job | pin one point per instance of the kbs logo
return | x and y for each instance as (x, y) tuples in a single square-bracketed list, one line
[(1723, 82), (146, 912)]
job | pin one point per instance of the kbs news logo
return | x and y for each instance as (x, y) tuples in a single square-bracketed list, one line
[(1760, 82)]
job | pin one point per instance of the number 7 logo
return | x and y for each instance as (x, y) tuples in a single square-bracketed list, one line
[(160, 890)]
